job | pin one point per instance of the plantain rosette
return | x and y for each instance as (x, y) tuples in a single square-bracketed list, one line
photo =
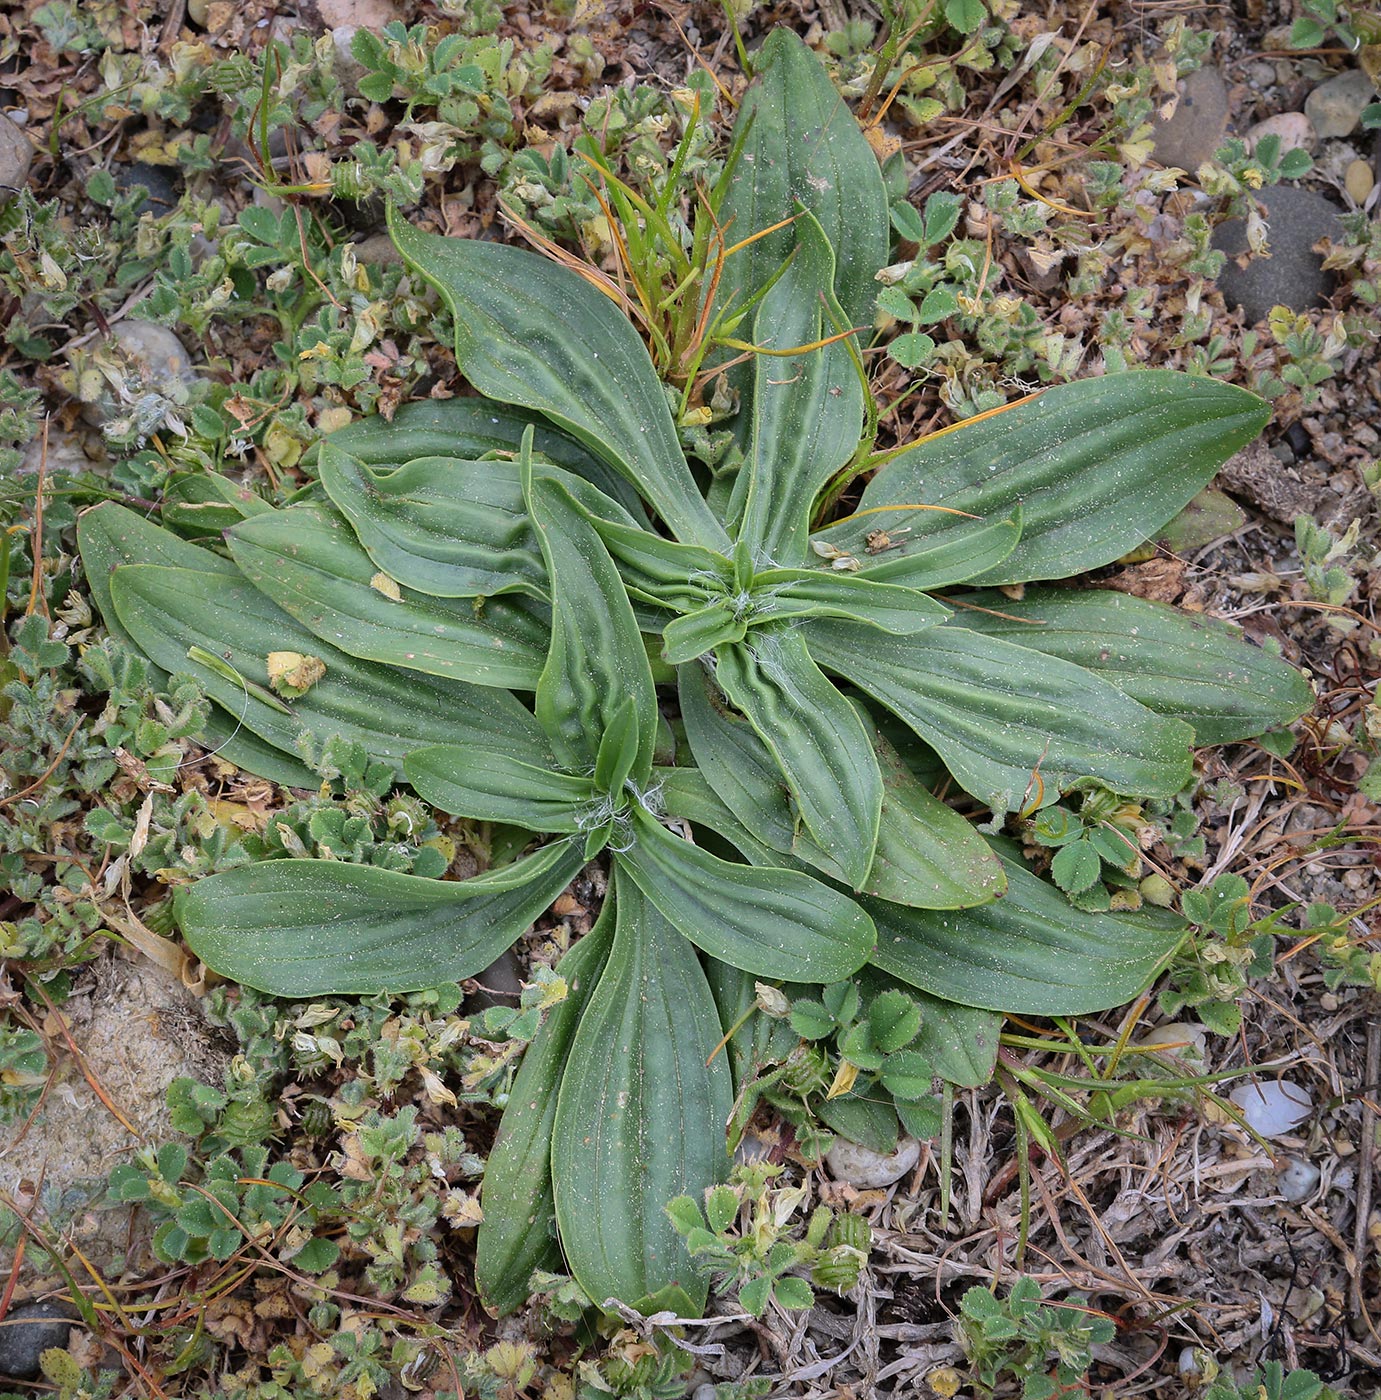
[(541, 538)]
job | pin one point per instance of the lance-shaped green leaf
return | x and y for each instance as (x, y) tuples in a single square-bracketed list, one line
[(691, 635), (1012, 725), (440, 525), (597, 659), (807, 409), (772, 922), (308, 561), (1098, 466), (472, 429), (641, 1114), (1192, 667), (816, 593), (959, 549), (205, 503), (1030, 952), (686, 795), (534, 333), (516, 1236), (927, 854), (618, 749), (171, 610), (816, 738), (109, 536), (803, 145), (682, 577), (471, 781), (446, 526), (299, 928)]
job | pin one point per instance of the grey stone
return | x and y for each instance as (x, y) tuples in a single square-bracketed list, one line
[(348, 68), (378, 250), (27, 1332), (1199, 122), (1299, 1179), (158, 348), (501, 983), (1293, 275), (1335, 107), (160, 194), (16, 155), (862, 1167)]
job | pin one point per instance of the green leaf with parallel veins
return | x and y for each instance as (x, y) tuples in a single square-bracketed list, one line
[(1189, 666), (168, 610), (803, 144), (472, 429), (686, 794), (771, 922), (205, 503), (597, 659), (959, 1041), (819, 593), (682, 577), (109, 536), (927, 854), (514, 1238), (886, 549), (471, 781), (1009, 722), (618, 749), (807, 409), (1031, 952), (440, 525), (299, 928), (817, 739), (690, 636), (308, 561), (446, 526), (1098, 466), (641, 1113), (534, 333)]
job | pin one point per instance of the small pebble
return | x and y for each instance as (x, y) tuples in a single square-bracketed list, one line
[(157, 347), (1295, 130), (1274, 1106), (752, 1148), (1189, 1361), (1335, 107), (704, 1391), (1358, 180), (1299, 1179), (28, 1331), (16, 154), (1190, 1041), (862, 1167)]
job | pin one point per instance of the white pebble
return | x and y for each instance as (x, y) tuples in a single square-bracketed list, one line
[(1184, 1039), (1273, 1107), (1298, 1179), (862, 1167)]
